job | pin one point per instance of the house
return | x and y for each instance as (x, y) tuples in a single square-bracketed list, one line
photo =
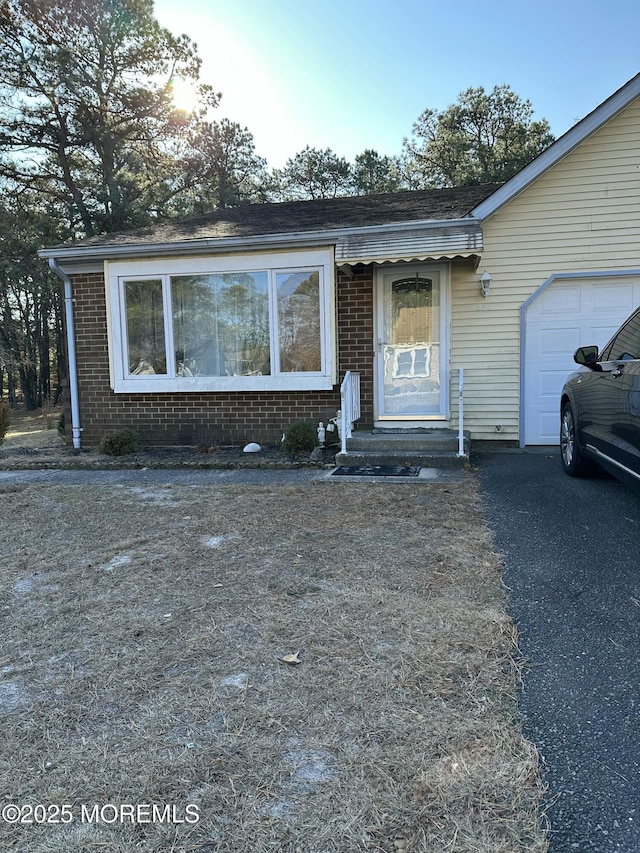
[(231, 326)]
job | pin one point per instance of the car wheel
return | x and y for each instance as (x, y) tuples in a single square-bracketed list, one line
[(573, 460)]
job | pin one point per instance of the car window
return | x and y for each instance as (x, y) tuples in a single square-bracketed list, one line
[(626, 344)]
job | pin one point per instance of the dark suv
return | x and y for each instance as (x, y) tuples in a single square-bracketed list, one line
[(600, 407)]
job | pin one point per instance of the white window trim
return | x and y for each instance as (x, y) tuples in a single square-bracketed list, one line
[(116, 272)]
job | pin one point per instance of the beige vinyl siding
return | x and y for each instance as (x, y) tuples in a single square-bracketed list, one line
[(583, 215)]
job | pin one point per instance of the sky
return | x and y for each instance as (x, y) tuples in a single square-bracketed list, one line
[(355, 74)]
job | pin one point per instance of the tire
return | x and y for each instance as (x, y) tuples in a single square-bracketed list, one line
[(573, 460)]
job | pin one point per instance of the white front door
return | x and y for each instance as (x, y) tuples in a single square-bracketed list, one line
[(411, 348)]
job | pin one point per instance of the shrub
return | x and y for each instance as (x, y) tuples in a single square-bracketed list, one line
[(5, 420), (301, 437), (119, 443), (61, 425)]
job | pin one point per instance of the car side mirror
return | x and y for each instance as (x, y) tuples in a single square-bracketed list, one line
[(587, 356)]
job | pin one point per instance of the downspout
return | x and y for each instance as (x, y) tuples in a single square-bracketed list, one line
[(71, 349)]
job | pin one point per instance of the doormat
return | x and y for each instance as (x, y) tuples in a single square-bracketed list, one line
[(376, 471)]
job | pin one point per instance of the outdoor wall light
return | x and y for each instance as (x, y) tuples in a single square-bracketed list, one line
[(485, 284)]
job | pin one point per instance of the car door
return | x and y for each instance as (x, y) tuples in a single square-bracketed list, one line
[(620, 393)]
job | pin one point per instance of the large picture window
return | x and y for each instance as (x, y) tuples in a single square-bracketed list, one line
[(221, 324), (253, 323)]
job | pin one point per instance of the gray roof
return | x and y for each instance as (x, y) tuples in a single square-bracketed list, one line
[(298, 217)]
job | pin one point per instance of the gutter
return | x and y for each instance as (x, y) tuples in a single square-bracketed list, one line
[(255, 243), (71, 348)]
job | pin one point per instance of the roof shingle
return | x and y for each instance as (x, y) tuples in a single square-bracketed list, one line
[(301, 216)]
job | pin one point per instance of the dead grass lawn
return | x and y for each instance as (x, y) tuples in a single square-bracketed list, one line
[(143, 637)]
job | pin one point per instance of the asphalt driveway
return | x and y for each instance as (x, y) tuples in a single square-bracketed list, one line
[(572, 555)]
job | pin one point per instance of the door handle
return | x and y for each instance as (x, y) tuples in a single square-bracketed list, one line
[(617, 372)]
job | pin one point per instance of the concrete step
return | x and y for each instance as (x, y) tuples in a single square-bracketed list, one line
[(355, 458), (426, 449)]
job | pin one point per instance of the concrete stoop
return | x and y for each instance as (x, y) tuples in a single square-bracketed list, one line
[(434, 448)]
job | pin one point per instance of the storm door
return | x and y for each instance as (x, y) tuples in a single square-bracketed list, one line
[(411, 352)]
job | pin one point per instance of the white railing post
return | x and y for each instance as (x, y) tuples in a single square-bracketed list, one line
[(460, 412), (343, 424), (349, 406)]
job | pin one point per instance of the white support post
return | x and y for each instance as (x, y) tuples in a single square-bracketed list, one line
[(461, 413)]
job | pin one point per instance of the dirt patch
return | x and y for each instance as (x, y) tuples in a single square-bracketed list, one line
[(32, 429), (145, 639)]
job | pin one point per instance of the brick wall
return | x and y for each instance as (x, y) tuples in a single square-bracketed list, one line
[(355, 332), (229, 417)]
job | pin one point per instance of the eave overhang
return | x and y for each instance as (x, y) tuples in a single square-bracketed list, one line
[(362, 245)]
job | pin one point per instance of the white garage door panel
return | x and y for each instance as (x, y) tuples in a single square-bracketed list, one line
[(549, 426), (555, 340), (560, 301), (566, 315), (604, 333), (550, 381), (613, 297)]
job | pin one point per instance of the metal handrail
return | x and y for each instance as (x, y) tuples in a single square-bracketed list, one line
[(461, 412), (349, 406)]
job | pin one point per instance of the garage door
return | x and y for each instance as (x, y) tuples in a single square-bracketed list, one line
[(565, 315)]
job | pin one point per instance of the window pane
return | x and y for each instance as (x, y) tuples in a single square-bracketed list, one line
[(299, 322), (626, 346), (221, 324), (145, 328)]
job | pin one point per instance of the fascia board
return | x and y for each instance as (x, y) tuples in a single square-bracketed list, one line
[(559, 149), (79, 254), (304, 239)]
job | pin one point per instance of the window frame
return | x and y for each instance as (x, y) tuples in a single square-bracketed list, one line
[(162, 269)]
